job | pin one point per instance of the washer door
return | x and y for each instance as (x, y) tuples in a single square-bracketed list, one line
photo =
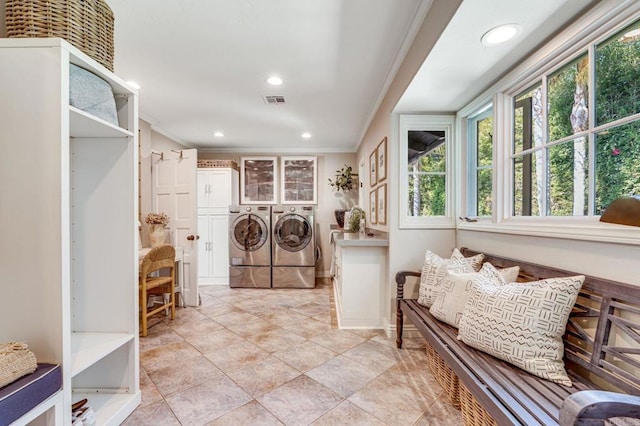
[(292, 232), (249, 232)]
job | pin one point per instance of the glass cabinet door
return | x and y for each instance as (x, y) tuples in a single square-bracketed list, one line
[(258, 180), (298, 180)]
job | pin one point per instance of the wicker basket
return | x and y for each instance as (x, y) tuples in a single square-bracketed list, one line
[(218, 164), (86, 24), (473, 413), (16, 360), (444, 376)]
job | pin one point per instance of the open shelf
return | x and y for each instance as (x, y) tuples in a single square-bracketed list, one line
[(109, 408), (85, 125), (87, 348)]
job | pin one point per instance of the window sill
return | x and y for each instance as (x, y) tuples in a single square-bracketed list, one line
[(584, 229)]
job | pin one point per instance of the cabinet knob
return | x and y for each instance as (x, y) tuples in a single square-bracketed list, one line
[(193, 237)]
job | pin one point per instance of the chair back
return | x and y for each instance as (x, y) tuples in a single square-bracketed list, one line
[(158, 258)]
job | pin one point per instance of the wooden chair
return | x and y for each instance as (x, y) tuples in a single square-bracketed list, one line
[(158, 258)]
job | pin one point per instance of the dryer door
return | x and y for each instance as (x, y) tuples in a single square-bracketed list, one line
[(249, 235), (293, 241)]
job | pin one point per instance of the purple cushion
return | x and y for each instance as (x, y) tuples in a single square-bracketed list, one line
[(19, 397)]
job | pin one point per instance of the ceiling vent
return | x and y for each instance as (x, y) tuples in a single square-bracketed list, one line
[(275, 100)]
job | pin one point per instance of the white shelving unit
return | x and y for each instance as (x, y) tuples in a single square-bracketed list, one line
[(217, 190), (69, 209)]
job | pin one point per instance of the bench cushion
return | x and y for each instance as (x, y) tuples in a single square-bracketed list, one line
[(522, 323), (19, 397)]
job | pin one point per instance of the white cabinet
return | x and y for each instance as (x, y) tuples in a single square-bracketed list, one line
[(217, 190), (358, 281), (298, 183), (69, 205)]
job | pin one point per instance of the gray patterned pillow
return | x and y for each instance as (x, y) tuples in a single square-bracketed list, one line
[(522, 323), (450, 302), (434, 269)]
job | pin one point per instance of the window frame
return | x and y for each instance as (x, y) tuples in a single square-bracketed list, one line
[(446, 123), (601, 22), (472, 166)]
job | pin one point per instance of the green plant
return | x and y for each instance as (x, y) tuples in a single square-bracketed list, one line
[(354, 219), (344, 180)]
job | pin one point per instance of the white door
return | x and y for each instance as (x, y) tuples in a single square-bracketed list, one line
[(204, 261), (175, 193)]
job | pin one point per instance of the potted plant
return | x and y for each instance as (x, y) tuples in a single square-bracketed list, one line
[(157, 231), (344, 181)]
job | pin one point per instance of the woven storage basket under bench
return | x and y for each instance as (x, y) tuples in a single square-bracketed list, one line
[(86, 24), (601, 345)]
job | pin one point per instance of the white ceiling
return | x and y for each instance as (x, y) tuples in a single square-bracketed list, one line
[(202, 64)]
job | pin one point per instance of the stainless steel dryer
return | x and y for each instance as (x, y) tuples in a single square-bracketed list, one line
[(293, 247), (249, 246)]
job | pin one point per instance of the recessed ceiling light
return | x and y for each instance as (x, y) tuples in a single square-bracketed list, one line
[(218, 134), (133, 84), (274, 80), (500, 34), (306, 135)]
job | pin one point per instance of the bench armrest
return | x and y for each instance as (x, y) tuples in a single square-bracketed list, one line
[(585, 406), (401, 279)]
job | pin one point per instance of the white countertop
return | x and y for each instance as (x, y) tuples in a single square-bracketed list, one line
[(353, 239)]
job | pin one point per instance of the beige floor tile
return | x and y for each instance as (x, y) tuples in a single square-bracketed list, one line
[(285, 318), (374, 355), (414, 371), (249, 414), (263, 376), (276, 340), (342, 375), (150, 393), (206, 402), (154, 414), (306, 356), (312, 309), (167, 355), (235, 318), (203, 326), (237, 355), (338, 340), (300, 401), (367, 333), (309, 327), (252, 328), (219, 309), (183, 375), (393, 401), (210, 342), (159, 335), (187, 315), (441, 413), (347, 413)]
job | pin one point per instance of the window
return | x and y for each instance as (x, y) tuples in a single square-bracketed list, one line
[(480, 128), (425, 143), (563, 163)]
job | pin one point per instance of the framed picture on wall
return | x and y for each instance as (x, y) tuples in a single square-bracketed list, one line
[(381, 204), (373, 174), (372, 208), (381, 154)]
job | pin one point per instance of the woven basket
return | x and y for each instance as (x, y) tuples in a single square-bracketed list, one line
[(86, 24), (218, 164), (473, 413), (16, 360), (444, 376)]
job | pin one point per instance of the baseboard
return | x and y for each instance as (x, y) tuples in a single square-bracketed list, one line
[(408, 330)]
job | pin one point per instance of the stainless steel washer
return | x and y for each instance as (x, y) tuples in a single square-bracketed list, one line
[(293, 246), (249, 246)]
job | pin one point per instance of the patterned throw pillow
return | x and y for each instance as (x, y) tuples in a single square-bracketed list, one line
[(450, 302), (522, 323), (435, 268)]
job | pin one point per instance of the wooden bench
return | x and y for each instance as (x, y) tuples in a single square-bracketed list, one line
[(602, 348)]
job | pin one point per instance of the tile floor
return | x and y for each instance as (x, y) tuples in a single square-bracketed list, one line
[(276, 357)]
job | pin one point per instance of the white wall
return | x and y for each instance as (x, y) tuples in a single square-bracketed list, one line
[(328, 200)]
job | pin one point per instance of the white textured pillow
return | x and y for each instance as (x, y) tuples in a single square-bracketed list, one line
[(450, 302), (522, 323), (435, 268)]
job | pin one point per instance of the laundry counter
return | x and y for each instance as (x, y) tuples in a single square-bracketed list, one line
[(359, 276)]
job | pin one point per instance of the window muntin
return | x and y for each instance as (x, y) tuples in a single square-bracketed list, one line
[(480, 129)]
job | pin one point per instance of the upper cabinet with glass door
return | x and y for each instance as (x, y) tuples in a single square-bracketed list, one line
[(299, 180), (258, 177)]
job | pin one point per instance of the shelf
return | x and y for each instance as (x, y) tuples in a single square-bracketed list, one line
[(85, 125), (87, 348), (109, 408)]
